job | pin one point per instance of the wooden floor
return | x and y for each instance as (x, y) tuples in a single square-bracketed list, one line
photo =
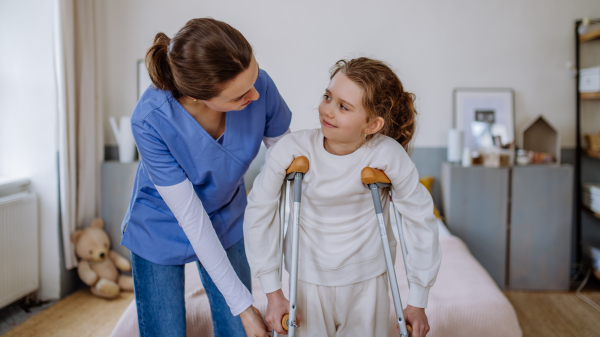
[(540, 314), (556, 314), (80, 314), (20, 311)]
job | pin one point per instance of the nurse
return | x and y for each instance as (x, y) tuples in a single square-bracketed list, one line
[(197, 129)]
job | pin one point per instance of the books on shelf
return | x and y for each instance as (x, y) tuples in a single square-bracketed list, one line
[(591, 196)]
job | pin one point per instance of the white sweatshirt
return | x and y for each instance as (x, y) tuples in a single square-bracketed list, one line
[(193, 219), (340, 243)]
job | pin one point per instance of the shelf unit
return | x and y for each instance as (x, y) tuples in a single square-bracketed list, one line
[(591, 154), (587, 37), (590, 95), (597, 215)]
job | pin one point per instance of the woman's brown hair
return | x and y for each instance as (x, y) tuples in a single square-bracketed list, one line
[(384, 96), (203, 56)]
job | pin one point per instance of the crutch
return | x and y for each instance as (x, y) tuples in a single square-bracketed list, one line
[(376, 179), (295, 172)]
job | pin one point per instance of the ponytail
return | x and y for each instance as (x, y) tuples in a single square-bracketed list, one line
[(203, 56), (403, 129), (157, 63)]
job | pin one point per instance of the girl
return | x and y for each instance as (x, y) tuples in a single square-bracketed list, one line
[(367, 119), (197, 130)]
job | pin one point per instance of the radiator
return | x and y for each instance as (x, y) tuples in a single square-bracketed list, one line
[(19, 246)]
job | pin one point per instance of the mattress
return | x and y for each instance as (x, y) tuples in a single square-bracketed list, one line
[(464, 301)]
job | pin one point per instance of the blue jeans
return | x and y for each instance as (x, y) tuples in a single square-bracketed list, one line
[(159, 296)]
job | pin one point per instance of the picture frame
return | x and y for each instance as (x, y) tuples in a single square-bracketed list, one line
[(485, 115), (143, 79)]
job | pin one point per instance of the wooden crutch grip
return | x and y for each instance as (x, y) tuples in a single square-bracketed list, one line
[(373, 176), (284, 320), (299, 165)]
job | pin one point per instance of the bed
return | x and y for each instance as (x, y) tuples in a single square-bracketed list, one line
[(464, 301)]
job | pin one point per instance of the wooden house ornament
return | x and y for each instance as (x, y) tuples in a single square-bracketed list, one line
[(540, 136)]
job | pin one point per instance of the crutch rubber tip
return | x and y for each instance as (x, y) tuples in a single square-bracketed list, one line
[(299, 165), (284, 321), (373, 176)]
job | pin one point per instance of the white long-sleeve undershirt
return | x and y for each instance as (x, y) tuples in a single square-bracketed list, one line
[(270, 141), (193, 219)]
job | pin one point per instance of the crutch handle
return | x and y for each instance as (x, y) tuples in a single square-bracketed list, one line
[(286, 317), (373, 176), (299, 165)]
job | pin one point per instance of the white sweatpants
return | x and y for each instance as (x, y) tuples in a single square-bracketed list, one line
[(360, 309)]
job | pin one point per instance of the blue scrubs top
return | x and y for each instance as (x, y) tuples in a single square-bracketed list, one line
[(173, 147)]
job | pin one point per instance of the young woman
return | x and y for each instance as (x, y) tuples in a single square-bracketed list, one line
[(197, 129), (367, 119)]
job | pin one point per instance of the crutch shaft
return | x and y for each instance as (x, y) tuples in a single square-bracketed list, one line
[(388, 260), (295, 172), (282, 228), (398, 217), (282, 204), (295, 243)]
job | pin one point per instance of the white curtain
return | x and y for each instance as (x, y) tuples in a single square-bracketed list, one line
[(80, 121)]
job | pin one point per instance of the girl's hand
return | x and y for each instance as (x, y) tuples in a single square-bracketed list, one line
[(253, 322), (417, 318), (278, 306)]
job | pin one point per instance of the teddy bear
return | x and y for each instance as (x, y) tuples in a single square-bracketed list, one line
[(98, 265)]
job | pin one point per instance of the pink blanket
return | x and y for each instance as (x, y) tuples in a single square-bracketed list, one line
[(464, 301)]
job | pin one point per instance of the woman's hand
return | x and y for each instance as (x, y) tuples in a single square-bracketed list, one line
[(253, 322), (417, 318), (278, 306)]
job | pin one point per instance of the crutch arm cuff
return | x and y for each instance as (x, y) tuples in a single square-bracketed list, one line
[(369, 175), (299, 165), (418, 295), (270, 281)]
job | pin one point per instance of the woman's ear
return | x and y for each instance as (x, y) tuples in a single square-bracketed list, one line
[(375, 125)]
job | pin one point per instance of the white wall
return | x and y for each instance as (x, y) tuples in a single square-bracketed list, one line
[(435, 46), (28, 117)]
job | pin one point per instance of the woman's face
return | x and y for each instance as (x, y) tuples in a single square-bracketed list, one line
[(238, 93), (341, 112)]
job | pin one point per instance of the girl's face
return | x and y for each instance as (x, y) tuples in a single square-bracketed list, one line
[(342, 114), (238, 93)]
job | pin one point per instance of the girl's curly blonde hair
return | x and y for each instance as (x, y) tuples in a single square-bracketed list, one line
[(384, 96)]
